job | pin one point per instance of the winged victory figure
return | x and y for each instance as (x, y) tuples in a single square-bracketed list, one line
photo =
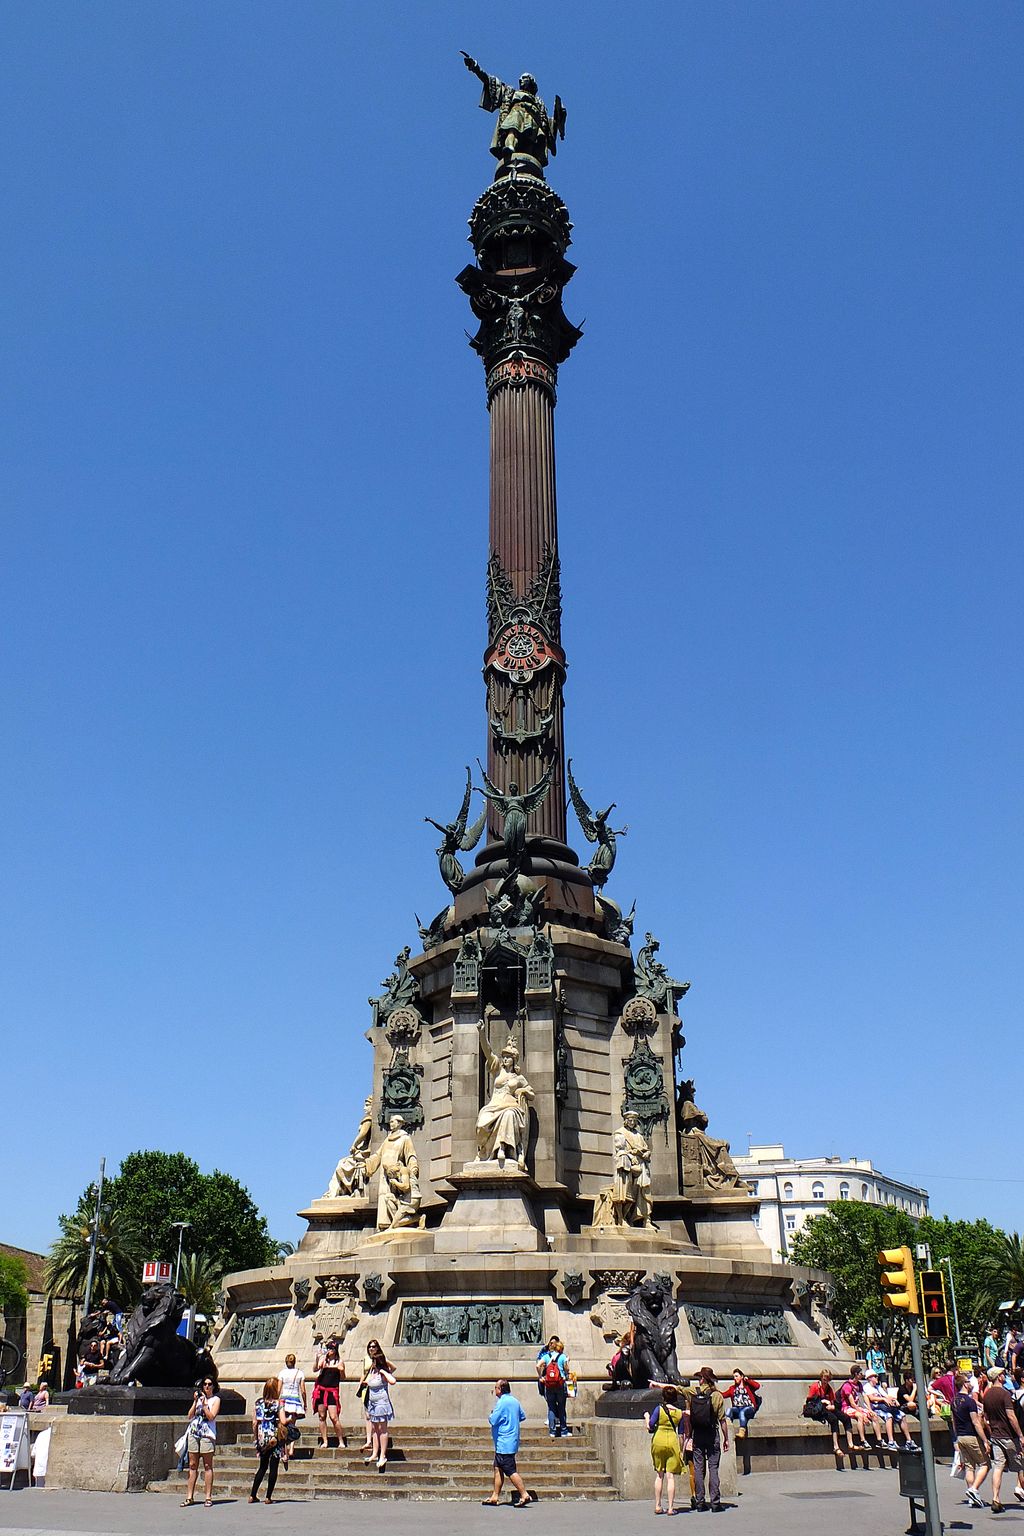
[(595, 830), (515, 808), (457, 839)]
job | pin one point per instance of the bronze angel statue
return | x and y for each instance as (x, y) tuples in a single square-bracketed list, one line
[(595, 830), (524, 135), (515, 808), (457, 839)]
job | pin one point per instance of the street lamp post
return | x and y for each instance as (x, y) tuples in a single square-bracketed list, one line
[(952, 1296), (181, 1226), (94, 1239)]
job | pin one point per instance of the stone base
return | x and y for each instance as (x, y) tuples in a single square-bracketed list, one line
[(110, 1453), (140, 1402), (626, 1402), (626, 1451)]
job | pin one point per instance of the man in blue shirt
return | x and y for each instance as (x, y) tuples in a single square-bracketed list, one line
[(505, 1419)]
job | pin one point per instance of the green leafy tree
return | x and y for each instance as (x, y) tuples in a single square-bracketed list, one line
[(13, 1285), (845, 1239), (151, 1190), (118, 1272), (1001, 1273), (199, 1282), (975, 1250)]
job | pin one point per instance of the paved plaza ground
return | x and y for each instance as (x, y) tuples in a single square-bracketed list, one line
[(770, 1504)]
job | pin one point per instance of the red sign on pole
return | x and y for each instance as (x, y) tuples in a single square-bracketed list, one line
[(154, 1270)]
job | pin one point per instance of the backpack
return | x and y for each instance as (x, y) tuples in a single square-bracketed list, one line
[(702, 1415), (553, 1373)]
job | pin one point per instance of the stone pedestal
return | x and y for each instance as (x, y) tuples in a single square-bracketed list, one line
[(493, 1212)]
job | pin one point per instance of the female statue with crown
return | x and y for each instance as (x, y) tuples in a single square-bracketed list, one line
[(502, 1126)]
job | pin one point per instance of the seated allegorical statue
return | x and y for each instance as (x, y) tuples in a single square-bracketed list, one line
[(349, 1177), (502, 1126), (707, 1161)]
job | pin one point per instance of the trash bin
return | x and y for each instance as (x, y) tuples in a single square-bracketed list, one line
[(911, 1464)]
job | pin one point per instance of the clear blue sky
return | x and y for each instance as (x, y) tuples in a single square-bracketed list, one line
[(244, 528)]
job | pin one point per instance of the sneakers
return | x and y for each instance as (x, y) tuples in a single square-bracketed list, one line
[(974, 1500), (891, 1445), (1018, 1494)]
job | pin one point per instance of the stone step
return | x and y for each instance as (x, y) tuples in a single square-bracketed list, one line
[(457, 1477), (556, 1453), (382, 1489)]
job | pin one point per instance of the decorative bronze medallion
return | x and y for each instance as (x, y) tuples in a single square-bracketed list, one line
[(521, 649)]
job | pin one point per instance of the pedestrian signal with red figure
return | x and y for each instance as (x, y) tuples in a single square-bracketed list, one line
[(933, 1304)]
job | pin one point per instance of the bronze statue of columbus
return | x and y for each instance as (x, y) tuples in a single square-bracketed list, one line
[(525, 135)]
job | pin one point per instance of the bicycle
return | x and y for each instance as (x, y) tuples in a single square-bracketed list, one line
[(10, 1360)]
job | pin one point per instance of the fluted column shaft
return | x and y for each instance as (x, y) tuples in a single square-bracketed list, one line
[(523, 531)]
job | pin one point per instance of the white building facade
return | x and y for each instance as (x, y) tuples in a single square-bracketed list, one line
[(791, 1189)]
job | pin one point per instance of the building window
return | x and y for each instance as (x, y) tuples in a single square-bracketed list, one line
[(787, 1191), (757, 1217), (790, 1221), (864, 1192), (817, 1190), (844, 1191)]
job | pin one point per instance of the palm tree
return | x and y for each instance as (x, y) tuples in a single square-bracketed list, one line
[(118, 1256), (280, 1249), (199, 1282), (1001, 1273)]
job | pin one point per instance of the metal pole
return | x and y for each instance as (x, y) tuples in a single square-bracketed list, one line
[(952, 1296), (933, 1524), (181, 1225), (93, 1242)]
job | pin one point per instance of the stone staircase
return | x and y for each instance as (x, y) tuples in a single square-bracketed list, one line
[(424, 1462)]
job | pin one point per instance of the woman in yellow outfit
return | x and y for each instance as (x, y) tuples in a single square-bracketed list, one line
[(665, 1424)]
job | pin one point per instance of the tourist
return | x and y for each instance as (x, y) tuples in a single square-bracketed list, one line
[(707, 1417), (853, 1407), (293, 1402), (990, 1351), (25, 1398), (822, 1405), (505, 1419), (619, 1367), (553, 1376), (972, 1440), (379, 1410), (327, 1395), (201, 1440), (41, 1399), (743, 1399), (668, 1426), (888, 1416), (269, 1426), (1004, 1431), (875, 1361), (90, 1364)]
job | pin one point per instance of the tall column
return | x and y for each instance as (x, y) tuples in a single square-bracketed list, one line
[(520, 230)]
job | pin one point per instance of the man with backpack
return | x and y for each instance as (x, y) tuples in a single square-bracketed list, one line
[(709, 1430), (553, 1381)]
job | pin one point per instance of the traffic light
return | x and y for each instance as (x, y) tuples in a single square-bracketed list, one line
[(933, 1304), (898, 1285)]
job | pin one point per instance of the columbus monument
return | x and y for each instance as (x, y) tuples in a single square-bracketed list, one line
[(530, 1159)]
